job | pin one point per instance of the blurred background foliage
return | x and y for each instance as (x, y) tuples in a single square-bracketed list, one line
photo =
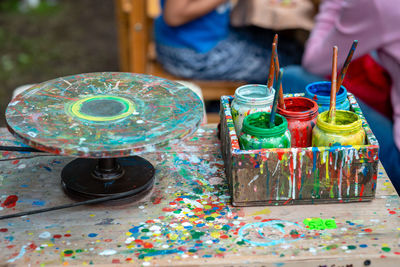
[(45, 39)]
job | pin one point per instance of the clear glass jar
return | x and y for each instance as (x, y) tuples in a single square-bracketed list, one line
[(250, 98), (257, 135), (347, 130)]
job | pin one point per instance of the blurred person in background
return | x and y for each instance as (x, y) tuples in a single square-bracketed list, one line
[(374, 74), (194, 39)]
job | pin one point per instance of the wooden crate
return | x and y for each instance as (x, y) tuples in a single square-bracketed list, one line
[(298, 175)]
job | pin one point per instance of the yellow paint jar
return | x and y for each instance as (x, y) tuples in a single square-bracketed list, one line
[(347, 130)]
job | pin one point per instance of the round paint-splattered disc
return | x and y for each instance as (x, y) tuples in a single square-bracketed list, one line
[(103, 115)]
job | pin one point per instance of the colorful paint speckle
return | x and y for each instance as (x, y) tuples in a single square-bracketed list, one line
[(101, 115), (187, 219)]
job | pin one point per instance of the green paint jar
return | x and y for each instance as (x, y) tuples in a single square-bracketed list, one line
[(256, 134), (346, 131)]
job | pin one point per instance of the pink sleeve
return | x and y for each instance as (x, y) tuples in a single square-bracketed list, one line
[(340, 22)]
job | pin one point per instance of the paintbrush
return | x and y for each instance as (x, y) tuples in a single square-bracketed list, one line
[(271, 64), (275, 103), (281, 102), (346, 64), (332, 104)]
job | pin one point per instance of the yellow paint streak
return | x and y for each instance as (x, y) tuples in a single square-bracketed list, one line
[(265, 211), (327, 170)]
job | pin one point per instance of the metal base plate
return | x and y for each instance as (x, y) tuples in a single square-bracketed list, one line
[(78, 181)]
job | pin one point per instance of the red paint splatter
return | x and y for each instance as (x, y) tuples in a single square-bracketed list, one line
[(368, 230), (67, 235), (257, 218), (157, 200), (362, 190), (3, 230), (280, 154), (392, 212), (31, 247), (107, 240), (397, 253), (287, 201), (139, 241), (295, 235), (167, 209), (68, 253), (148, 245), (15, 162), (11, 246), (115, 261), (57, 236), (224, 237), (10, 201), (128, 259)]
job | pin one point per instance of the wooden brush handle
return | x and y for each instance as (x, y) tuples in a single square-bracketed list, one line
[(332, 104)]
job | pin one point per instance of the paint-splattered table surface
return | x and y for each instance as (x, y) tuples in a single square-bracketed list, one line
[(103, 114), (187, 219)]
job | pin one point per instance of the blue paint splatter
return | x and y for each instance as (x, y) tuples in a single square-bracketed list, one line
[(160, 252), (47, 168), (38, 203), (92, 235)]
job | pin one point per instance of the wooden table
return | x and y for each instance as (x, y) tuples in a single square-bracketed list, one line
[(187, 219)]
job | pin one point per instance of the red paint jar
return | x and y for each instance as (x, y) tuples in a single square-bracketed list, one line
[(301, 114)]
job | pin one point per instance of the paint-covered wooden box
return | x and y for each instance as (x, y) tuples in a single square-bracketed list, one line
[(298, 175)]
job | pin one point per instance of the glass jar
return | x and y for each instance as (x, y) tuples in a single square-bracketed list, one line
[(250, 98), (347, 130), (320, 92), (301, 114), (256, 133)]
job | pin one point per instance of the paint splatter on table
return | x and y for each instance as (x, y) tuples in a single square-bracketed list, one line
[(187, 219), (105, 114)]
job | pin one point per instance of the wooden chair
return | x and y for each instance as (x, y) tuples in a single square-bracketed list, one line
[(137, 49)]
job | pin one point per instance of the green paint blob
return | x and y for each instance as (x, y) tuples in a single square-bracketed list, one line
[(196, 234), (241, 243), (68, 252), (145, 230), (320, 224), (334, 246), (210, 219), (351, 247), (78, 250), (386, 249)]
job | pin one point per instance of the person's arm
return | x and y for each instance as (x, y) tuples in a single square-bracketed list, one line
[(179, 12), (340, 22)]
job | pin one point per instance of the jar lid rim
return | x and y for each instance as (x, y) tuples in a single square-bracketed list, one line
[(244, 92), (250, 125), (309, 113)]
